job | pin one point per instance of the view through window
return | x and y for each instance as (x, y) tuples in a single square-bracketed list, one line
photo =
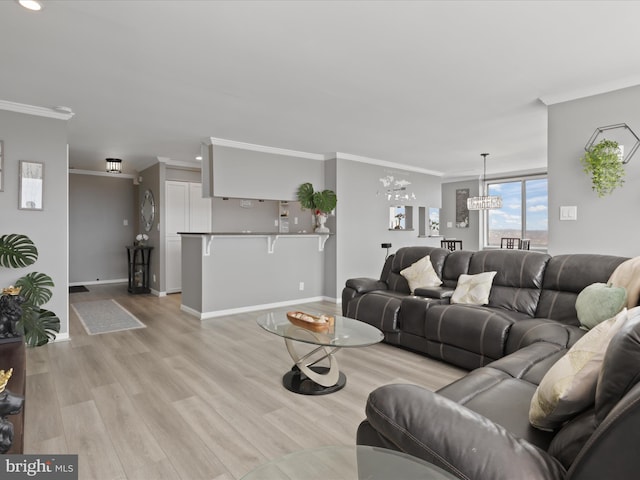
[(524, 212)]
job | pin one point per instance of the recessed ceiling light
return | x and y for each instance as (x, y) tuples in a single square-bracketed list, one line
[(198, 157), (34, 5)]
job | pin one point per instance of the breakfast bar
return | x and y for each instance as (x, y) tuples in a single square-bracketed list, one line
[(232, 272)]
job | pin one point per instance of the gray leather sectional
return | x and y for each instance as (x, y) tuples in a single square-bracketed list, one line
[(478, 427)]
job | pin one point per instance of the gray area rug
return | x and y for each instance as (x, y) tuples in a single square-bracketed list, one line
[(105, 316)]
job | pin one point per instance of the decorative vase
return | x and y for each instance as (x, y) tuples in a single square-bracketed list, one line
[(321, 218)]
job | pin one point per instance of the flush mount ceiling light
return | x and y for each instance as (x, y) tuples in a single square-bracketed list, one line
[(484, 202), (114, 165), (33, 5)]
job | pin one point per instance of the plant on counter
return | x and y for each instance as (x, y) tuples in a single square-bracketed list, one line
[(320, 202), (603, 163), (39, 326)]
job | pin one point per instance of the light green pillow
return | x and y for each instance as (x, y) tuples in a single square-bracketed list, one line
[(598, 302)]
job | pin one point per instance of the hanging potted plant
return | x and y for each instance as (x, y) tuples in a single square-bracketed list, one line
[(20, 307), (321, 203), (603, 163)]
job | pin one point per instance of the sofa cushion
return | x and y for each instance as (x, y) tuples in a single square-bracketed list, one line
[(569, 387), (405, 257), (518, 281), (421, 274), (565, 277), (599, 302), (480, 330), (379, 309), (627, 275), (473, 289), (501, 398), (620, 370), (457, 263)]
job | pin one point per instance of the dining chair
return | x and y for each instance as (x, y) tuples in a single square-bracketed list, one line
[(451, 244), (509, 242), (525, 243)]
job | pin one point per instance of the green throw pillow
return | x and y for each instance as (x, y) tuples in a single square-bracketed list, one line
[(599, 302)]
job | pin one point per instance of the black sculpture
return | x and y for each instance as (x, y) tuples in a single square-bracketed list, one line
[(10, 312), (10, 404)]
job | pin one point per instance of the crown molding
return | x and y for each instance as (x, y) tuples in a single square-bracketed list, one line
[(382, 163), (221, 142), (78, 171), (59, 113), (590, 91)]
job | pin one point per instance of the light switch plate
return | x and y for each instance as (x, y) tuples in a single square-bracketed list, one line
[(568, 213)]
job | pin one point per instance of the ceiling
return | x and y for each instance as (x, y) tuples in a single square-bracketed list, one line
[(428, 84)]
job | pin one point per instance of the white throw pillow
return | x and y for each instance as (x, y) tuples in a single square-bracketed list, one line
[(569, 387), (473, 289), (421, 274)]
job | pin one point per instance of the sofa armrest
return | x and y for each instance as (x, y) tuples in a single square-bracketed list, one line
[(364, 285), (434, 428), (434, 292)]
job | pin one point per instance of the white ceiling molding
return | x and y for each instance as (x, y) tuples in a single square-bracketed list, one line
[(617, 84), (60, 113), (221, 142), (382, 163), (77, 171)]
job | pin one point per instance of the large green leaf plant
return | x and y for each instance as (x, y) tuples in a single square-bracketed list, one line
[(320, 202), (38, 325)]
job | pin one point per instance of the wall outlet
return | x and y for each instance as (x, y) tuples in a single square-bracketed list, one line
[(276, 222), (301, 286), (154, 278), (125, 222), (295, 220)]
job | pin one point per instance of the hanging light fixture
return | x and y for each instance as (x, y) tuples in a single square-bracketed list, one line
[(484, 202), (114, 165)]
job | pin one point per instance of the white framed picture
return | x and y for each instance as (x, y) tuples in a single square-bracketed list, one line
[(31, 186)]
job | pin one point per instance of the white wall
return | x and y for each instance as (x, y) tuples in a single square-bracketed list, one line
[(606, 225), (38, 139)]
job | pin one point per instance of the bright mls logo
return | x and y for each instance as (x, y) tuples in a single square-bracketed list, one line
[(58, 467)]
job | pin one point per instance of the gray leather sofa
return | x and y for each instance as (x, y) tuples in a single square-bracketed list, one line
[(532, 296), (478, 427)]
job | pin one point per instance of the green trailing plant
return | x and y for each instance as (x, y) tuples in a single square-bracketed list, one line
[(38, 325), (603, 163), (320, 202)]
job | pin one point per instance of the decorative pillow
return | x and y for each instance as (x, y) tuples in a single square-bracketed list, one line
[(421, 274), (569, 387), (598, 302), (473, 289)]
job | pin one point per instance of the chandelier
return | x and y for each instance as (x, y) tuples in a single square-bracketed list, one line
[(484, 202), (114, 165)]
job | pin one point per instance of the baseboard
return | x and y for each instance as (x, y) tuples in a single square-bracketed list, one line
[(99, 282), (252, 308), (62, 337), (158, 293)]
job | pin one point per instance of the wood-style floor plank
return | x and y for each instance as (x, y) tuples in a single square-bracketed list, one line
[(190, 399)]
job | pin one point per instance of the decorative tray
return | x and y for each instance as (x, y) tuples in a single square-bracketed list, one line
[(320, 323)]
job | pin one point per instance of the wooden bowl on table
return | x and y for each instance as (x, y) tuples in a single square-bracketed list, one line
[(315, 323)]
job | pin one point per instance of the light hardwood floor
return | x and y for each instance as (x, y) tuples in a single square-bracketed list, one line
[(184, 399)]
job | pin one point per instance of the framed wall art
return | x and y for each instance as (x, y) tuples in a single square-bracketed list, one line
[(1, 166), (462, 212), (31, 186)]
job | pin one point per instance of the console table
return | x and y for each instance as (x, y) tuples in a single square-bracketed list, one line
[(138, 257)]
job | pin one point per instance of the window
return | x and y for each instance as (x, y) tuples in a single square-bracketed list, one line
[(523, 214)]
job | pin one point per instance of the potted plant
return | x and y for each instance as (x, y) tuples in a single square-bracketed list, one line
[(321, 203), (603, 163), (38, 325)]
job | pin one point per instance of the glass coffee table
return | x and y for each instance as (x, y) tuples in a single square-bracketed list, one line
[(306, 376), (358, 462)]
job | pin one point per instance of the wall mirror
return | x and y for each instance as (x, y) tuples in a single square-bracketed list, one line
[(434, 221), (31, 186), (148, 210)]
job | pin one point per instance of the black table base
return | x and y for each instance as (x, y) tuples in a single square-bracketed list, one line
[(296, 381)]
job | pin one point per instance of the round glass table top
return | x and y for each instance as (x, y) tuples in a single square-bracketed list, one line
[(355, 462), (346, 332)]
